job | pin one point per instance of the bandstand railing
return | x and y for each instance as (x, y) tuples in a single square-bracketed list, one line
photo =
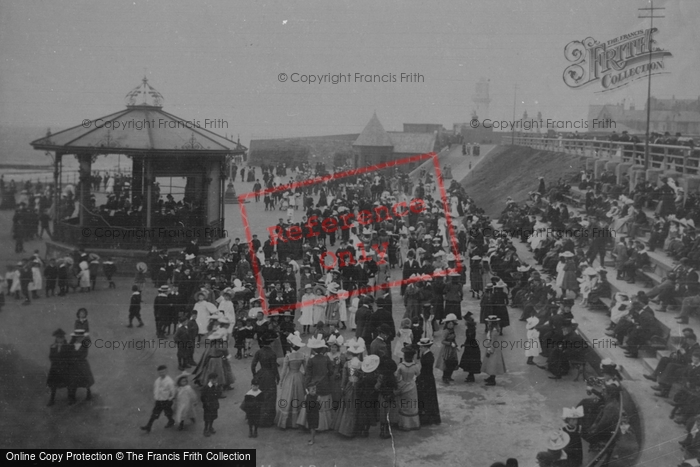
[(682, 159), (137, 238)]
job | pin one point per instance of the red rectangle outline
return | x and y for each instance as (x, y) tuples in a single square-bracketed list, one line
[(407, 160)]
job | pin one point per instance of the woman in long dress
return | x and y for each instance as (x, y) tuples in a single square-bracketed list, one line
[(319, 311), (560, 270), (307, 311), (338, 362), (226, 309), (471, 357), (428, 407), (569, 281), (407, 393), (215, 358), (268, 377), (476, 277), (204, 310), (186, 401), (493, 362), (292, 390), (79, 372), (346, 416), (447, 360), (318, 372)]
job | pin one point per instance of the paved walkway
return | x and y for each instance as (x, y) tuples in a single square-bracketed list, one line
[(480, 424)]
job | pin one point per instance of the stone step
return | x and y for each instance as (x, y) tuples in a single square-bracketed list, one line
[(650, 364)]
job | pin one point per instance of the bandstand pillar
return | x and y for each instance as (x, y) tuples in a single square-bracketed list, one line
[(148, 185), (85, 161), (56, 189)]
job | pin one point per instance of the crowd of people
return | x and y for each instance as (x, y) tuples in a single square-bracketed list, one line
[(559, 240), (340, 362)]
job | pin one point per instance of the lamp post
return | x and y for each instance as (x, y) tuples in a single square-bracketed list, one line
[(515, 91), (651, 17)]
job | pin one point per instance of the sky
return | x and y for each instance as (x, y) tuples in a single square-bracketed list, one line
[(62, 62)]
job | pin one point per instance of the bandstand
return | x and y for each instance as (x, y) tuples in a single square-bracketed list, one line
[(141, 214)]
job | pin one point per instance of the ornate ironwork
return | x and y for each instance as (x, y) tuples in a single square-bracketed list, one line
[(192, 143), (151, 97), (108, 141)]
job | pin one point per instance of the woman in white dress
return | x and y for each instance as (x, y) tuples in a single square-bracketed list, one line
[(37, 282), (204, 310), (560, 270), (307, 311), (533, 340), (319, 312), (226, 307), (454, 207)]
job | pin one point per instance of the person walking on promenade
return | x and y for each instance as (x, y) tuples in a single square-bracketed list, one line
[(164, 394), (135, 306), (211, 393)]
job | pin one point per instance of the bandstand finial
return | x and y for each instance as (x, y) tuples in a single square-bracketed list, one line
[(144, 94)]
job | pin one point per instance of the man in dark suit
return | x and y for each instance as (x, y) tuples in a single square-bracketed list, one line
[(410, 267), (362, 317), (680, 356), (161, 306), (674, 372), (379, 346), (645, 327), (382, 319)]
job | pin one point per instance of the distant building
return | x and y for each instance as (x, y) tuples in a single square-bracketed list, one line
[(672, 115), (376, 145), (373, 146), (423, 128)]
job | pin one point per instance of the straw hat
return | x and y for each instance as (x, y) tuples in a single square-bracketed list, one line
[(557, 440), (589, 271), (370, 364), (492, 319), (450, 317), (567, 254), (532, 322), (185, 375), (316, 343), (573, 412), (356, 346), (295, 339), (425, 342)]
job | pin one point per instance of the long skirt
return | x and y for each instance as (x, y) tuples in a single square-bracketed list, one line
[(345, 421), (319, 313), (471, 358), (428, 406), (325, 414), (289, 401), (407, 404), (439, 309), (268, 386), (453, 307)]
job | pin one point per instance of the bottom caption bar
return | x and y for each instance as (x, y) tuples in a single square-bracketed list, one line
[(239, 457)]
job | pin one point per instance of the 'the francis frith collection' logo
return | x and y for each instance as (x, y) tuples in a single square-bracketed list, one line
[(615, 63)]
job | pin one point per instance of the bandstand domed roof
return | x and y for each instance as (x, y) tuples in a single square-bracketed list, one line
[(142, 128)]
